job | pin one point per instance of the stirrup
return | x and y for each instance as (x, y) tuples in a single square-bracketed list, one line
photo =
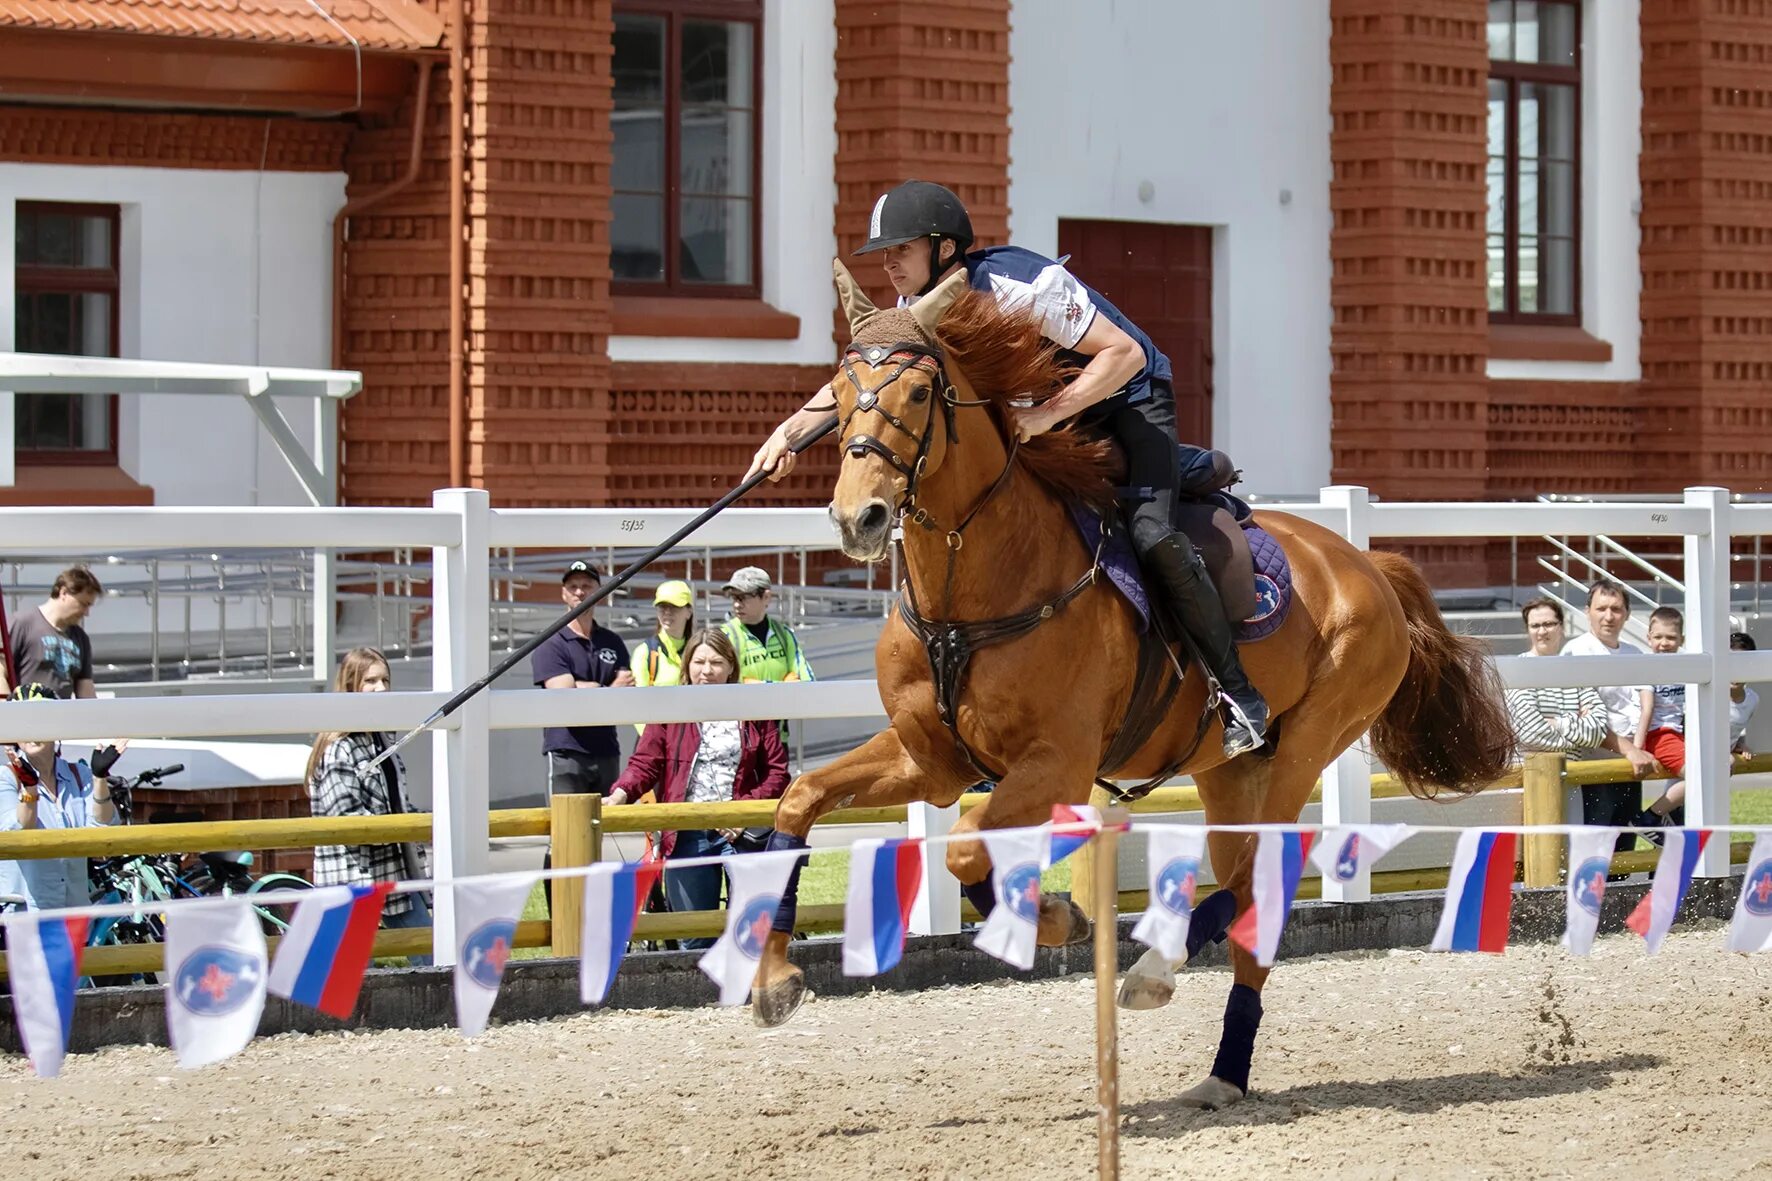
[(1242, 733)]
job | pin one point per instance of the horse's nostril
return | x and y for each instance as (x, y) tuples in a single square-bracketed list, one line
[(873, 517)]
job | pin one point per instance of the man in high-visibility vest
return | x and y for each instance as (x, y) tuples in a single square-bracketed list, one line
[(768, 650)]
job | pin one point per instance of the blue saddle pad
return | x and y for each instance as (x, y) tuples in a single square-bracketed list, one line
[(1273, 574)]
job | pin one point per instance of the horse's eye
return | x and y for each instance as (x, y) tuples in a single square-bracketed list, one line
[(920, 394)]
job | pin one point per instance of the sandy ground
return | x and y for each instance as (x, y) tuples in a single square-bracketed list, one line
[(1392, 1064)]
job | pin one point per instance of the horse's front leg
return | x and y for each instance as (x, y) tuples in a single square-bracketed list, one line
[(876, 774), (1045, 775)]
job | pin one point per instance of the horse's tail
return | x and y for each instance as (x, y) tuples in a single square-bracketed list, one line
[(1447, 724)]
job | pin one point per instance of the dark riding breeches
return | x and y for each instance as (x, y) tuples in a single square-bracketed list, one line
[(1153, 467)]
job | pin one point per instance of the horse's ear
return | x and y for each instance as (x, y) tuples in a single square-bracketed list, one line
[(929, 310), (858, 309)]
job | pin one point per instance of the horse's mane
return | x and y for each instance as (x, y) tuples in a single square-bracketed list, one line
[(1003, 356)]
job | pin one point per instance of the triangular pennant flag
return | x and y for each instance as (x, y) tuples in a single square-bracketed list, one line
[(43, 962), (884, 877), (1479, 893), (1343, 851), (1173, 862), (1751, 928), (755, 882), (1590, 860), (331, 937), (1063, 844), (1010, 932), (1654, 915), (1279, 864), (215, 979), (486, 914), (614, 895)]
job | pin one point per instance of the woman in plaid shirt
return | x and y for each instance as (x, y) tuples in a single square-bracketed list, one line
[(336, 787)]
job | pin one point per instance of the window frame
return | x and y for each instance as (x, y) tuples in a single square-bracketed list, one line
[(1513, 74), (674, 12), (32, 278)]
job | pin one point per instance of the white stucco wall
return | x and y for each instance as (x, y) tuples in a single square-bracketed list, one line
[(1611, 198), (1222, 110), (215, 266), (799, 133)]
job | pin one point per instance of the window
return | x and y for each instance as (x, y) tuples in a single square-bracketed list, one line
[(65, 286), (685, 208), (1534, 175)]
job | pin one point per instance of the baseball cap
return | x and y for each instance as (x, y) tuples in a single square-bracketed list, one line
[(748, 580), (580, 566), (674, 594)]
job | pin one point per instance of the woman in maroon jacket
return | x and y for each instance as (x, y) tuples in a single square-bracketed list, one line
[(704, 763)]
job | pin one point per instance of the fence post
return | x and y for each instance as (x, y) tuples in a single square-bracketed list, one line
[(461, 764), (1347, 782), (1707, 706), (575, 828), (1083, 871), (937, 910), (325, 581), (1542, 803)]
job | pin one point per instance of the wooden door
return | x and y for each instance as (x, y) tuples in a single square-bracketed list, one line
[(1161, 277)]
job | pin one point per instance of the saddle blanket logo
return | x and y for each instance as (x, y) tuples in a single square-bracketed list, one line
[(1176, 885), (1587, 885), (488, 950), (1758, 897), (1021, 890), (1347, 860), (754, 922), (1268, 599), (214, 981)]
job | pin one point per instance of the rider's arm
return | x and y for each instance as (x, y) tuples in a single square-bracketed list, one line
[(774, 455), (1114, 360)]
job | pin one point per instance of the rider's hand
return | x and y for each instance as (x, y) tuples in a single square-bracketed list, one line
[(773, 456), (1034, 421)]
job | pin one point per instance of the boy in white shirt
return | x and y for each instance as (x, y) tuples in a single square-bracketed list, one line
[(1627, 712)]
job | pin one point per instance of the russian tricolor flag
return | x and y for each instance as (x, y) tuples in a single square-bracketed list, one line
[(884, 877), (1069, 815), (322, 958), (43, 959), (1479, 894), (1279, 863), (1654, 915), (614, 895)]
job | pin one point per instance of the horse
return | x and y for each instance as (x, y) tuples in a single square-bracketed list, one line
[(1036, 687)]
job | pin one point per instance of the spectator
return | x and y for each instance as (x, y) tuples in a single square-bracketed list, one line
[(39, 790), (49, 647), (704, 763), (768, 650), (1569, 720), (1743, 701), (1627, 712), (1667, 723), (659, 660), (581, 655), (338, 786)]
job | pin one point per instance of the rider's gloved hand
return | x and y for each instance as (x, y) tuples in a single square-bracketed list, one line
[(103, 760)]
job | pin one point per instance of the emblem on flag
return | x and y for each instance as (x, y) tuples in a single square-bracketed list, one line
[(1347, 861), (1756, 894), (1588, 885), (1177, 881), (751, 931), (488, 950), (214, 981), (1021, 890)]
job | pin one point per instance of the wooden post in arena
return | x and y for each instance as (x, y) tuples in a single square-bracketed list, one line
[(1105, 881), (1542, 803), (575, 830), (1083, 860)]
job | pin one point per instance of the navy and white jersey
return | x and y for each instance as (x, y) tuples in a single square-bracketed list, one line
[(1023, 281)]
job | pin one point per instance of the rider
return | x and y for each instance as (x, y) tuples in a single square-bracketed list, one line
[(922, 231)]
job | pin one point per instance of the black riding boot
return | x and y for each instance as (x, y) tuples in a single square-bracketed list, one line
[(1179, 574)]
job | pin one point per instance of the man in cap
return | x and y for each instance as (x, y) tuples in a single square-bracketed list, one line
[(768, 650), (581, 655)]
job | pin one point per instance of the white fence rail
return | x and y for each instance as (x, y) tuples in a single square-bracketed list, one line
[(462, 529)]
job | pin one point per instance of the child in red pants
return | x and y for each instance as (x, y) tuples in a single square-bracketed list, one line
[(1666, 739)]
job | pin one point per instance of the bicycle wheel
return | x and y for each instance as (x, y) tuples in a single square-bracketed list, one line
[(275, 919)]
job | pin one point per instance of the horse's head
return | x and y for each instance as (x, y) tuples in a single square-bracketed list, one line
[(895, 403)]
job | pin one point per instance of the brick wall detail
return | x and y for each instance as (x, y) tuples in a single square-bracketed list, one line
[(157, 139)]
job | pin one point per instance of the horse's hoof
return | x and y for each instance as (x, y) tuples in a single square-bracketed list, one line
[(1150, 983), (1212, 1095), (1062, 928), (772, 1004)]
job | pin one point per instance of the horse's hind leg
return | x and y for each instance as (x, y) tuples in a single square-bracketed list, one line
[(878, 773)]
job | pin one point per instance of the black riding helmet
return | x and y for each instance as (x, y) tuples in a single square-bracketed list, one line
[(920, 209)]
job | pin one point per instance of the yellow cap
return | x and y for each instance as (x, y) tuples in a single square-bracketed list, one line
[(674, 593)]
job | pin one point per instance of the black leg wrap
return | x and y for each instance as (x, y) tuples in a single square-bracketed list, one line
[(789, 910), (982, 895), (1236, 1046), (1210, 920)]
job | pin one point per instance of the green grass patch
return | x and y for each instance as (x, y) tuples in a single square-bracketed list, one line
[(1751, 807)]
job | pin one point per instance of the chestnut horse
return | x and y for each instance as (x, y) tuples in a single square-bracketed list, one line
[(987, 535)]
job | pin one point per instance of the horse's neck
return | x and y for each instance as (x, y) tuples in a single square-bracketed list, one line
[(1009, 548)]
